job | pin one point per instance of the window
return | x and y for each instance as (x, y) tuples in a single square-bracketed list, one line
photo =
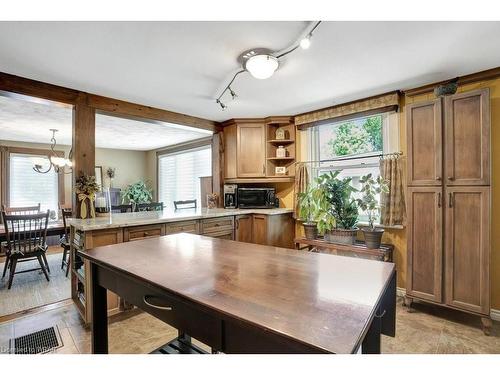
[(179, 174), (28, 188), (354, 146)]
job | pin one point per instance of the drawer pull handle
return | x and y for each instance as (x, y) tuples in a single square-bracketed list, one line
[(145, 299)]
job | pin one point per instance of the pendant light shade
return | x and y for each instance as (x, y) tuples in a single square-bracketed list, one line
[(262, 66)]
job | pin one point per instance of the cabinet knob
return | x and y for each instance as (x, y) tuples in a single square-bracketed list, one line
[(438, 178), (451, 178)]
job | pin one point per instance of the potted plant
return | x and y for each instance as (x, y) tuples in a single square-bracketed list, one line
[(85, 188), (371, 188), (136, 193), (110, 172), (308, 211), (339, 212)]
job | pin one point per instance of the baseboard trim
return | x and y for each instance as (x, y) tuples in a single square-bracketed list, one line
[(494, 314)]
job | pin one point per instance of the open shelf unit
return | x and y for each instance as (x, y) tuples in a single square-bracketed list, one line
[(272, 124)]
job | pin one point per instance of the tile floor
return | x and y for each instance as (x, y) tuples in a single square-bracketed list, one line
[(426, 329)]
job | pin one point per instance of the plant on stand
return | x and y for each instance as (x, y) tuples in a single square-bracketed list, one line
[(338, 210), (371, 188), (308, 209), (136, 193)]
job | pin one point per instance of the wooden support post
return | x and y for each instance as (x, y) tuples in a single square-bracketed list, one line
[(83, 143)]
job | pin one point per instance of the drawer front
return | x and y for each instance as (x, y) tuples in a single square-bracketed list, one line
[(185, 316), (138, 233), (217, 225), (190, 226), (225, 235)]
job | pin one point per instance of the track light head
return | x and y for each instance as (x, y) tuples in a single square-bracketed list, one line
[(233, 94), (222, 105), (305, 43)]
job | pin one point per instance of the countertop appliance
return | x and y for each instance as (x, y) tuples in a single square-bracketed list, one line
[(230, 196), (256, 198)]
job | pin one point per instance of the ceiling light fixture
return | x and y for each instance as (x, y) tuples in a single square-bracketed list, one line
[(262, 63), (58, 163)]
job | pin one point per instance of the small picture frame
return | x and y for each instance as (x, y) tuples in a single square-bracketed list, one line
[(98, 176), (280, 134), (280, 171)]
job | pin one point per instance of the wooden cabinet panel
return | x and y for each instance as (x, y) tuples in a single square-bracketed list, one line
[(467, 248), (468, 138), (230, 161), (219, 224), (143, 231), (259, 229), (225, 235), (425, 247), (243, 228), (188, 226), (424, 140), (251, 150)]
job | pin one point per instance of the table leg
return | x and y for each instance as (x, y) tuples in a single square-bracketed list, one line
[(99, 315)]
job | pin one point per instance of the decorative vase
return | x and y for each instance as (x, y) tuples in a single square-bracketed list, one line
[(373, 238), (346, 236), (310, 230)]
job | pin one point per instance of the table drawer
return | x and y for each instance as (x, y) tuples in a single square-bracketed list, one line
[(189, 226), (183, 315), (217, 225), (145, 231)]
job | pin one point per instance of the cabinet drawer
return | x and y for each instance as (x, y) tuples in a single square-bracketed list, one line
[(137, 233), (225, 235), (183, 315), (224, 224), (189, 226)]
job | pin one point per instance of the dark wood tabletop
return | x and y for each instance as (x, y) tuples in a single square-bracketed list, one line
[(323, 300)]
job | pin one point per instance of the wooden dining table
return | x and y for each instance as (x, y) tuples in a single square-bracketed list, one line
[(246, 298), (54, 228)]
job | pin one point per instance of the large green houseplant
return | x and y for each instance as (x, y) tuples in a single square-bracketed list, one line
[(338, 212), (371, 188), (308, 211), (136, 193)]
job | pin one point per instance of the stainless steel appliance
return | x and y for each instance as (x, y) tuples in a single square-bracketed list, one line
[(230, 196), (256, 198)]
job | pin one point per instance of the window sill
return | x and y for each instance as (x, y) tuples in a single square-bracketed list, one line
[(362, 224)]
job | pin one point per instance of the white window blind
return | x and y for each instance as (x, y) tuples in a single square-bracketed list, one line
[(27, 187), (179, 175)]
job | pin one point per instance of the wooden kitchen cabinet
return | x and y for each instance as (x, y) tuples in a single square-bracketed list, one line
[(467, 236), (143, 231), (467, 132), (220, 227), (424, 140), (425, 238), (273, 230), (188, 226), (243, 228)]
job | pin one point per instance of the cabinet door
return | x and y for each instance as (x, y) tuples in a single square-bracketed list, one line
[(251, 152), (259, 229), (424, 139), (243, 228), (425, 245), (468, 248), (467, 133)]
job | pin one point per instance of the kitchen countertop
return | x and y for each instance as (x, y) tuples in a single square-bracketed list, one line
[(120, 220)]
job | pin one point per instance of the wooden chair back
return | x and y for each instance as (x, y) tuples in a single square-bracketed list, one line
[(66, 213), (121, 208), (26, 233), (153, 206), (28, 210), (185, 204)]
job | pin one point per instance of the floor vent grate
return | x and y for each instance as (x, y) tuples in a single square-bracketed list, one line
[(38, 342)]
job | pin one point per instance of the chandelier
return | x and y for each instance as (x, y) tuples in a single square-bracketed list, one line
[(58, 163)]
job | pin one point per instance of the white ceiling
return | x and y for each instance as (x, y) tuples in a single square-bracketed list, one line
[(25, 121), (181, 66)]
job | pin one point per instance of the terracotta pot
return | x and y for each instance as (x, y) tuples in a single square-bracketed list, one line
[(347, 236), (373, 238), (310, 230)]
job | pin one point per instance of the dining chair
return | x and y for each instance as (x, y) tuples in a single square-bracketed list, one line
[(121, 208), (26, 241), (65, 240), (28, 210), (153, 206), (179, 205)]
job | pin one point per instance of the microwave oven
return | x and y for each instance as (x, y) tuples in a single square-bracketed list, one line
[(256, 198)]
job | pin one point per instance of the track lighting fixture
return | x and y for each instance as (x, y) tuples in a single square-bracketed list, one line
[(262, 63)]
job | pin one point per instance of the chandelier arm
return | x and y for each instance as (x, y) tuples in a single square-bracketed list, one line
[(40, 171)]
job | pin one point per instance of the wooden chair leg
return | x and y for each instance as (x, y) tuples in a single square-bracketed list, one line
[(7, 258), (67, 266), (43, 266), (46, 263), (63, 258), (13, 263)]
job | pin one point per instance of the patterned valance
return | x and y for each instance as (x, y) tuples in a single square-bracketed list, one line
[(369, 106)]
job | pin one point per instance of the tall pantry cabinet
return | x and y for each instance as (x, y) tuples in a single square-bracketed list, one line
[(448, 177)]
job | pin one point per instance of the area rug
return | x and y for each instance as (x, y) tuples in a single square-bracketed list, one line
[(31, 289)]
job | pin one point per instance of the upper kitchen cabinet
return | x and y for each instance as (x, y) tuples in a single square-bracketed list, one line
[(424, 137), (467, 133), (259, 150)]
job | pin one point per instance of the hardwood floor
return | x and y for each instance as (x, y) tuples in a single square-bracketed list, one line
[(427, 329)]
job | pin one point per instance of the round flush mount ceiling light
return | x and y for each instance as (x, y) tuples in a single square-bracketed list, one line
[(261, 66)]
